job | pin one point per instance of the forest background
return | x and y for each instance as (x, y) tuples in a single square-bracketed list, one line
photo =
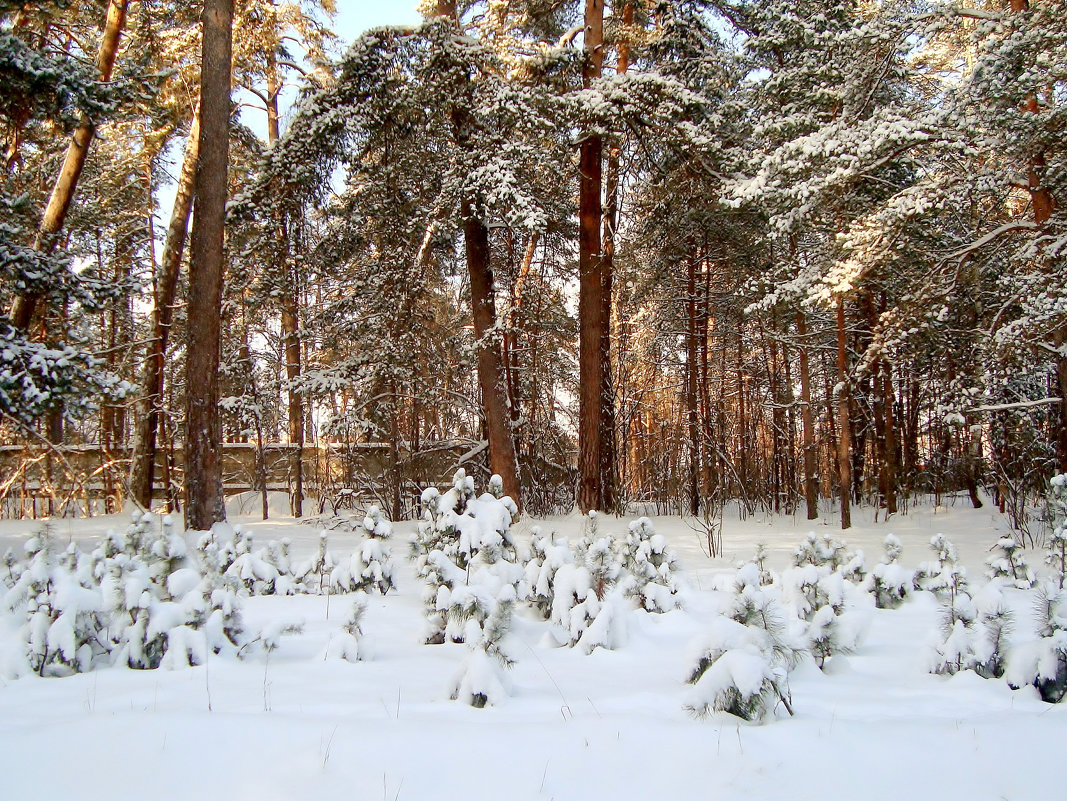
[(665, 254)]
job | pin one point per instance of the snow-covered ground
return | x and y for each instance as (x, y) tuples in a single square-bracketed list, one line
[(291, 725)]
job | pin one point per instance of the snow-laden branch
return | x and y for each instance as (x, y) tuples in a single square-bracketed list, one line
[(996, 233), (1004, 407)]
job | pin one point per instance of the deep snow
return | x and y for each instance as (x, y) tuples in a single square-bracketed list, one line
[(875, 725)]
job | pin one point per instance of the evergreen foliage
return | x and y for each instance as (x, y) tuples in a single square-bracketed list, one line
[(742, 665)]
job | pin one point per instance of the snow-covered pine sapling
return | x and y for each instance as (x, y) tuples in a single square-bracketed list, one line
[(995, 621), (889, 581), (252, 567), (571, 580), (375, 553), (11, 568), (1056, 557), (376, 524), (437, 532), (1043, 663), (945, 576), (314, 573), (759, 559), (818, 597), (64, 632), (548, 556), (601, 557), (496, 486), (464, 541), (345, 644), (1006, 561), (742, 666), (651, 563), (483, 608), (826, 550), (596, 614), (955, 649)]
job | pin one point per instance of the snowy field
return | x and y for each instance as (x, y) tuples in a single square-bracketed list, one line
[(289, 724)]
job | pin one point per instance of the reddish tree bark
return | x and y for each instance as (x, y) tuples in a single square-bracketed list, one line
[(204, 502), (844, 440), (590, 284)]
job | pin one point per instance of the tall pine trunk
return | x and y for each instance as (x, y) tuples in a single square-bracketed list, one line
[(609, 460), (844, 441), (691, 379), (590, 283), (204, 502), (490, 370), (502, 459)]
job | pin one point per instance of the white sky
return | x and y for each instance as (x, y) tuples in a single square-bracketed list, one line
[(356, 16)]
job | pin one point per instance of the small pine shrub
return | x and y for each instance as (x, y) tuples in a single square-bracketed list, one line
[(742, 666), (1008, 563), (889, 581)]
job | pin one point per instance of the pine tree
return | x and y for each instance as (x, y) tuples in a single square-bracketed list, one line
[(743, 664)]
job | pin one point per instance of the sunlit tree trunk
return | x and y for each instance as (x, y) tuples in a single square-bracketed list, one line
[(204, 502)]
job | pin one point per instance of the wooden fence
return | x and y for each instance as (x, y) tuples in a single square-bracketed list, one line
[(83, 480)]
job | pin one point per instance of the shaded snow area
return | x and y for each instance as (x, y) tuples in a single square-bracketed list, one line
[(603, 652)]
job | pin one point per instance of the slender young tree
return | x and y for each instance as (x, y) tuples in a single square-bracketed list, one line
[(150, 402), (204, 502)]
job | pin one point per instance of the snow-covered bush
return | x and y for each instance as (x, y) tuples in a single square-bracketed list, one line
[(945, 576), (346, 643), (548, 555), (826, 551), (136, 600), (651, 563), (742, 666), (889, 581), (1056, 557), (1007, 562), (64, 631), (1043, 663), (973, 632)]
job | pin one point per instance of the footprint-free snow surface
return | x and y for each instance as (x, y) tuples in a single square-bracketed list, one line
[(290, 724)]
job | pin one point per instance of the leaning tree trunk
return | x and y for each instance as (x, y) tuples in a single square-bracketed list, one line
[(590, 283), (150, 403), (67, 182), (204, 503)]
